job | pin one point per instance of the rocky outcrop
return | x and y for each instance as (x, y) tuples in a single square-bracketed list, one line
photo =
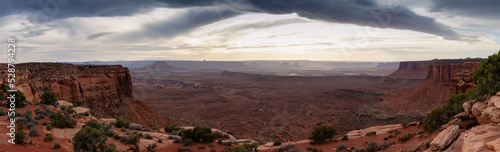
[(412, 69), (445, 138), (106, 89), (482, 138), (444, 72)]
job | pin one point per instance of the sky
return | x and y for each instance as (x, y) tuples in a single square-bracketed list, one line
[(233, 30)]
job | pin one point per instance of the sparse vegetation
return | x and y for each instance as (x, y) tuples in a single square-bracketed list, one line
[(91, 138), (404, 124), (277, 143), (48, 138), (321, 134), (370, 133), (171, 128), (345, 137), (20, 100), (49, 98), (120, 122), (406, 137), (148, 136), (34, 132), (487, 76), (57, 145), (20, 137), (198, 134), (61, 120), (341, 146)]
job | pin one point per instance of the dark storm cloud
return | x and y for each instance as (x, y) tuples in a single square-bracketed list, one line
[(359, 12), (191, 19), (97, 35), (475, 8)]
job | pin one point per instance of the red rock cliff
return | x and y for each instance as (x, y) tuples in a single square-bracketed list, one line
[(106, 89), (412, 69)]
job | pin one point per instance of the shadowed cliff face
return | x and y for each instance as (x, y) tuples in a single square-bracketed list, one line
[(443, 73), (412, 70), (106, 89)]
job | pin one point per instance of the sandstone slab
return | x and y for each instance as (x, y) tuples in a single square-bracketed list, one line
[(443, 139), (483, 138)]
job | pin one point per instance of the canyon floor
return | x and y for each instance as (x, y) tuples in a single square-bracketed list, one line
[(268, 107)]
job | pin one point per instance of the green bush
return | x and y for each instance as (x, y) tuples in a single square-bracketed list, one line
[(92, 138), (370, 133), (20, 99), (61, 120), (345, 137), (320, 134), (405, 137), (442, 115), (57, 145), (48, 138), (198, 134), (171, 128), (34, 132), (120, 122), (487, 76), (49, 98), (20, 137), (277, 143)]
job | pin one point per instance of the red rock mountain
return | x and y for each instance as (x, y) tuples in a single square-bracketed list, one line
[(105, 89), (442, 79)]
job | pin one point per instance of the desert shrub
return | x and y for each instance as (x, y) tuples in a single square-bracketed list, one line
[(316, 150), (370, 133), (146, 129), (110, 133), (2, 113), (61, 120), (320, 134), (38, 117), (24, 120), (116, 136), (57, 145), (148, 136), (4, 87), (49, 98), (92, 138), (213, 150), (30, 125), (131, 139), (201, 147), (341, 146), (309, 148), (386, 138), (487, 76), (289, 148), (156, 128), (171, 128), (372, 146), (120, 122), (135, 127), (28, 115), (277, 143), (405, 137), (237, 149), (198, 134), (48, 138), (160, 140), (219, 134), (185, 149), (404, 124), (421, 132), (345, 137), (123, 129), (20, 137), (20, 99), (34, 132)]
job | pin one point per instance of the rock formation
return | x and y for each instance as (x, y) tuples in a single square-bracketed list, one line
[(106, 89), (412, 70), (445, 138)]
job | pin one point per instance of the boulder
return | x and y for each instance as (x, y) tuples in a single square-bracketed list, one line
[(462, 116), (482, 138), (468, 106), (444, 138), (456, 145)]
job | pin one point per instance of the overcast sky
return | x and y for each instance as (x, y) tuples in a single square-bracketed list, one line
[(331, 30)]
